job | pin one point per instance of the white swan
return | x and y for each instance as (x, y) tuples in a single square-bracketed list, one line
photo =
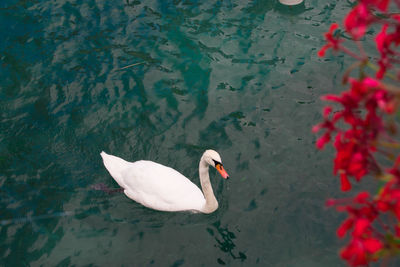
[(162, 188)]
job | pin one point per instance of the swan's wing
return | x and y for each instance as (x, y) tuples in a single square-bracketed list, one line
[(159, 187)]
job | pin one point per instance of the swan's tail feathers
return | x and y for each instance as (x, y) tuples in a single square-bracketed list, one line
[(115, 166)]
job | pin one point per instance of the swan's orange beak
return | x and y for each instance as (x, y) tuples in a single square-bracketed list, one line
[(222, 171)]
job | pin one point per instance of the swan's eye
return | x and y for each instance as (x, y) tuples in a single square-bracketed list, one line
[(216, 163)]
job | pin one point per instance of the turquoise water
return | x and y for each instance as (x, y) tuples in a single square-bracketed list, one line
[(241, 77)]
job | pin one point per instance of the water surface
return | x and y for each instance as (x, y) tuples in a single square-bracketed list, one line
[(241, 77)]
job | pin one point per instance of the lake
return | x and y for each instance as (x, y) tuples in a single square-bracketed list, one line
[(164, 81)]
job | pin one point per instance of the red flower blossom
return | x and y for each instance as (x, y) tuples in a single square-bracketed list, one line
[(358, 19), (344, 227), (360, 227), (383, 65), (356, 145), (344, 181), (352, 159), (384, 44), (365, 239), (359, 131), (388, 199), (364, 242), (328, 125), (332, 41), (360, 251), (361, 16), (382, 40)]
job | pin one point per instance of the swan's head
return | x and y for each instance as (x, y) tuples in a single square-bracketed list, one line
[(213, 159)]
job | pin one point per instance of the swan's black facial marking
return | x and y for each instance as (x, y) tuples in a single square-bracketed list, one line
[(216, 163)]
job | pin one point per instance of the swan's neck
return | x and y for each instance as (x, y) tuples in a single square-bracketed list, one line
[(211, 202)]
